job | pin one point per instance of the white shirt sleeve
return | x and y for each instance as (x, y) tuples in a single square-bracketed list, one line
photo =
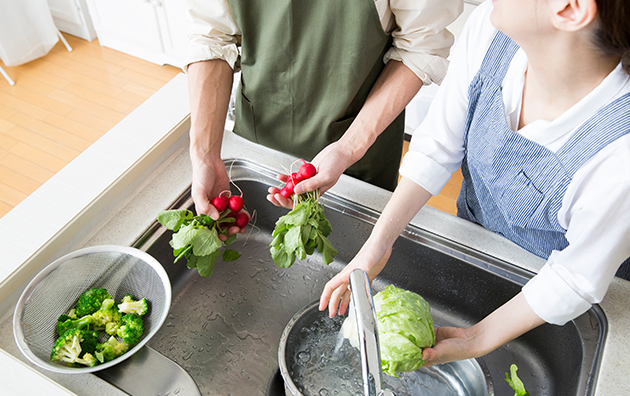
[(213, 33), (596, 214), (420, 38), (436, 149)]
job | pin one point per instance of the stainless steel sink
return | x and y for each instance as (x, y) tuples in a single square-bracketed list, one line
[(225, 330)]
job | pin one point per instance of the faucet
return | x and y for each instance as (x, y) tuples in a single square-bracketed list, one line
[(365, 315)]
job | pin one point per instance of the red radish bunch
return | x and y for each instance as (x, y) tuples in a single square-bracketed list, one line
[(231, 206), (306, 171)]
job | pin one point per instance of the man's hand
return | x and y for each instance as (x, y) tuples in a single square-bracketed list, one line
[(330, 163), (209, 178)]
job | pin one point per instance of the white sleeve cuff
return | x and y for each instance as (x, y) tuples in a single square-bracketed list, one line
[(424, 171), (200, 49), (429, 68), (552, 298)]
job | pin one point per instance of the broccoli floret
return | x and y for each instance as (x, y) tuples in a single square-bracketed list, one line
[(65, 323), (74, 346), (89, 343), (73, 314), (90, 301), (107, 318), (88, 360), (131, 329), (130, 305), (110, 350)]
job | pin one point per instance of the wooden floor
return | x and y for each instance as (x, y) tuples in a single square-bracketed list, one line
[(60, 105), (65, 101)]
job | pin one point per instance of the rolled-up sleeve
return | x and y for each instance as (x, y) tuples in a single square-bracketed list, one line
[(212, 33), (420, 39), (595, 212)]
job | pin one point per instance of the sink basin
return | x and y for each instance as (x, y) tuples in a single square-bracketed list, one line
[(225, 330)]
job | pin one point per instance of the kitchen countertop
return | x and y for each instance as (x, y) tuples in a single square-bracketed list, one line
[(112, 192)]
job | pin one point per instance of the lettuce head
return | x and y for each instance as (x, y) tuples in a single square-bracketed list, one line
[(405, 328)]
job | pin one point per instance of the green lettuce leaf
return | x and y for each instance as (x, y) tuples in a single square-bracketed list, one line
[(515, 382), (405, 328)]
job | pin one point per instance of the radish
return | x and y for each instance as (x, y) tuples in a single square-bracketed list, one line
[(295, 176), (241, 219), (220, 203), (285, 192), (307, 171), (235, 203)]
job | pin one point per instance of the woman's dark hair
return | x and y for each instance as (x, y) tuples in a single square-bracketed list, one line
[(613, 33)]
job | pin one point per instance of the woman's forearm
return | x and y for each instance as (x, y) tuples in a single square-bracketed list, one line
[(404, 204), (506, 323)]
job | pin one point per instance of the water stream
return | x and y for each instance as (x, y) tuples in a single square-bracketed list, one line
[(325, 363)]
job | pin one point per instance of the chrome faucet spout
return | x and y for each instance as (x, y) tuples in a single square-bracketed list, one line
[(365, 315)]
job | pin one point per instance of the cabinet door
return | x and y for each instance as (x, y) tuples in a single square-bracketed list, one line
[(71, 16), (173, 20), (129, 26)]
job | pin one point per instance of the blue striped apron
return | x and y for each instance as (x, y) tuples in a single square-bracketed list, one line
[(512, 185)]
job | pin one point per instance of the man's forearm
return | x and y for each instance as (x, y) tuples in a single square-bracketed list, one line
[(393, 90), (210, 86)]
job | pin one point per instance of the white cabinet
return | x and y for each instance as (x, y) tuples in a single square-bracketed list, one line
[(153, 30), (71, 16)]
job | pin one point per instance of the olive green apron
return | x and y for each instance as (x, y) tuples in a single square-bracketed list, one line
[(307, 68)]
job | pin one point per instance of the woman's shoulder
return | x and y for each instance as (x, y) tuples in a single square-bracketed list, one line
[(475, 38)]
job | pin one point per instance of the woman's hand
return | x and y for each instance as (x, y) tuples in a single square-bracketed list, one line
[(336, 295), (506, 323), (451, 343)]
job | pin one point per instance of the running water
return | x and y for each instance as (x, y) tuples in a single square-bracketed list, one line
[(325, 364)]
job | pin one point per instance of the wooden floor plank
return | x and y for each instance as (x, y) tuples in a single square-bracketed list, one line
[(56, 149), (27, 168), (38, 157), (5, 208), (11, 196), (23, 184), (95, 109), (21, 105), (5, 125), (76, 128), (51, 132), (81, 117), (101, 99)]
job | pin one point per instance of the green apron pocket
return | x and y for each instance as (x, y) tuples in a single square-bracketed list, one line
[(245, 124), (338, 128)]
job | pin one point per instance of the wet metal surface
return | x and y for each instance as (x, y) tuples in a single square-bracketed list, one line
[(225, 330)]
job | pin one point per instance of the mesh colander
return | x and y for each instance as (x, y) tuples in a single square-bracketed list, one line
[(55, 290)]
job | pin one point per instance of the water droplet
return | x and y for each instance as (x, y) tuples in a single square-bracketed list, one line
[(303, 357)]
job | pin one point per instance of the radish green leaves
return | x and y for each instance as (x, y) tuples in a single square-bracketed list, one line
[(301, 231), (197, 239)]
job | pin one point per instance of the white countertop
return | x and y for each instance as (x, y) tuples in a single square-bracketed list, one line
[(112, 192)]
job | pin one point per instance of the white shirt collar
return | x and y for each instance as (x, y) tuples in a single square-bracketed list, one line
[(553, 134)]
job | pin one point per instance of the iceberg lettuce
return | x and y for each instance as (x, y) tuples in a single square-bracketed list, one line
[(405, 328)]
